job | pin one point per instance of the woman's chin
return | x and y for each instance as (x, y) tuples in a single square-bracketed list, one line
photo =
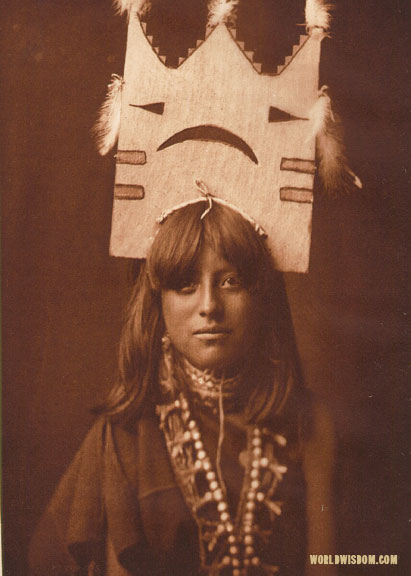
[(214, 360)]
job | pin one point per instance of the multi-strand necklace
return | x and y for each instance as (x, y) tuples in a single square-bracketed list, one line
[(207, 388), (228, 544)]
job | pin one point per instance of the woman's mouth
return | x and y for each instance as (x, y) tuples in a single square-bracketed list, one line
[(212, 333)]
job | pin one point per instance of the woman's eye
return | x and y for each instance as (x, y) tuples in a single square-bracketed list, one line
[(187, 287), (232, 282)]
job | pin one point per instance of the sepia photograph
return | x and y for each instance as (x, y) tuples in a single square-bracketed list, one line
[(205, 335)]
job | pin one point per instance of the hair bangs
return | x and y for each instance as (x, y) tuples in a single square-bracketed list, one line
[(176, 248)]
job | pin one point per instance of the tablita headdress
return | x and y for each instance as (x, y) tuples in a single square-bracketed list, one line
[(217, 117)]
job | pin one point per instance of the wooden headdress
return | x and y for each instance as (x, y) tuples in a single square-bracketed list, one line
[(218, 118)]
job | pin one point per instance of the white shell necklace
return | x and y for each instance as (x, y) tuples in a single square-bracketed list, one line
[(228, 545)]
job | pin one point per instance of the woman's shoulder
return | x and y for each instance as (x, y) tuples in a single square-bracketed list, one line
[(72, 518), (98, 483), (106, 428), (320, 421), (106, 443), (319, 439), (319, 457)]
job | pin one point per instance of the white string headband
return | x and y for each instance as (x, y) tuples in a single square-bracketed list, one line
[(209, 198)]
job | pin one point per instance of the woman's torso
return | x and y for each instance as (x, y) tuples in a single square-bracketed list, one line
[(167, 536)]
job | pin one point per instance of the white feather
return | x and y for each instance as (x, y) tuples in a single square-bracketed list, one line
[(125, 6), (221, 12), (122, 6), (107, 127), (333, 168), (321, 113), (317, 15)]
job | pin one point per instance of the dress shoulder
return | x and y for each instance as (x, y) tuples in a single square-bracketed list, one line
[(95, 501), (71, 528)]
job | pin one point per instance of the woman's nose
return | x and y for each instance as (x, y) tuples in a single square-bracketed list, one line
[(210, 304)]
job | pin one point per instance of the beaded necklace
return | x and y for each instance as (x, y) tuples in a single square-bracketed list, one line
[(207, 387), (228, 545)]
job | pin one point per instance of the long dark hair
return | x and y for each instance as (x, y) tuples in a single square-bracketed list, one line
[(173, 256)]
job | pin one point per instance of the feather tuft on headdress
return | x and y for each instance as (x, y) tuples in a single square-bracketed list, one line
[(221, 12), (107, 127), (318, 17), (125, 6), (333, 169)]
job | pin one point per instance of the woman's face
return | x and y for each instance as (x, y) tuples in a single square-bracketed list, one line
[(212, 319)]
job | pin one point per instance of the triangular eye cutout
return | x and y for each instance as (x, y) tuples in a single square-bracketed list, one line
[(277, 115), (156, 107)]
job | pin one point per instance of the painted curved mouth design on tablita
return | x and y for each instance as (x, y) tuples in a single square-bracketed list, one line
[(210, 133)]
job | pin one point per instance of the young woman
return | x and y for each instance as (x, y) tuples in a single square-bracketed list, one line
[(209, 457)]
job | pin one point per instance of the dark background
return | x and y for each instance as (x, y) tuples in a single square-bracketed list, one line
[(63, 296)]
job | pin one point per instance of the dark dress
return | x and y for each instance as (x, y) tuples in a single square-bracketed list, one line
[(118, 510)]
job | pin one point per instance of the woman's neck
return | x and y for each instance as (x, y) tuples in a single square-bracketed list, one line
[(207, 386)]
